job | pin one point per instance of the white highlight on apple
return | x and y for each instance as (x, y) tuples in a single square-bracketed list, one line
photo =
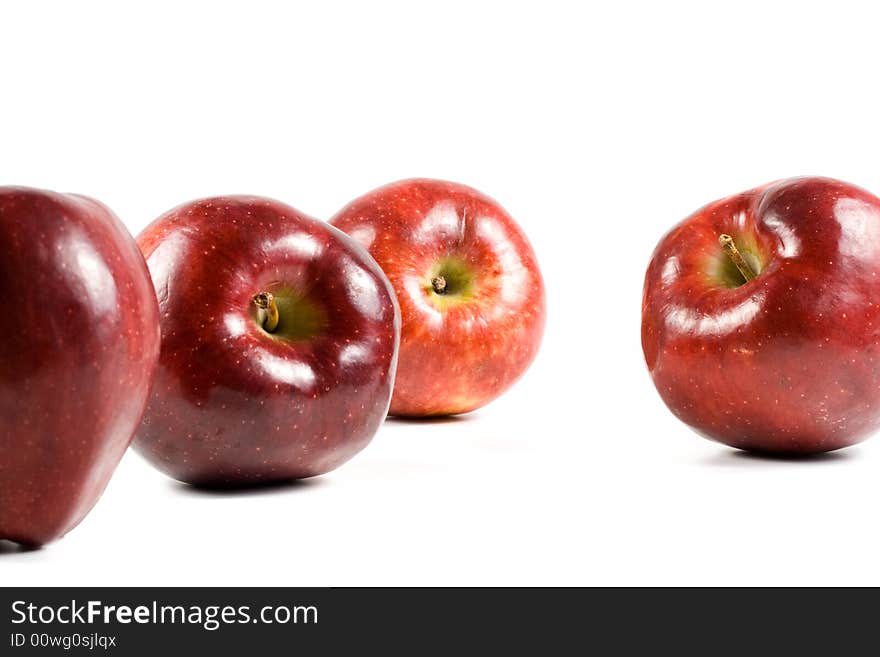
[(859, 228), (691, 321)]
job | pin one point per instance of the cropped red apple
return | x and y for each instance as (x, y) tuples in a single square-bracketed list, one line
[(788, 361), (279, 344), (470, 291), (79, 340)]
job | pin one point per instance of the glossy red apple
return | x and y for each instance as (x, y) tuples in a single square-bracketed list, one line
[(79, 340), (786, 362), (470, 291), (279, 344)]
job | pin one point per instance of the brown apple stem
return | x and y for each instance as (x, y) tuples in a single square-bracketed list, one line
[(736, 257), (268, 312), (439, 284)]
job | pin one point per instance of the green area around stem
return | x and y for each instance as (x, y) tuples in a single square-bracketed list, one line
[(458, 281), (299, 317)]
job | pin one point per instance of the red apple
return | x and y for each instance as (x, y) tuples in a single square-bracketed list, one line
[(470, 291), (789, 360), (237, 398), (79, 340)]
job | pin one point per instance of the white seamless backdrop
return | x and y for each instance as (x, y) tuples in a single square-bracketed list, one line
[(598, 126)]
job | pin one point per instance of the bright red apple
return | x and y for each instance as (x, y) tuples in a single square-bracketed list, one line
[(279, 344), (787, 361), (470, 291), (79, 340)]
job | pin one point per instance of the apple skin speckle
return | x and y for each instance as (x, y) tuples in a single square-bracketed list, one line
[(462, 347), (80, 342), (789, 362), (234, 404)]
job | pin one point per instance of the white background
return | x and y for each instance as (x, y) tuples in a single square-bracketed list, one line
[(597, 127)]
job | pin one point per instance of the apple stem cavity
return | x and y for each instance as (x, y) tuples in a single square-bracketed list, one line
[(736, 257), (439, 284), (268, 310)]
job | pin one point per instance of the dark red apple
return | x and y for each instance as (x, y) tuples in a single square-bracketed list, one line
[(79, 340), (279, 344), (761, 317), (470, 291)]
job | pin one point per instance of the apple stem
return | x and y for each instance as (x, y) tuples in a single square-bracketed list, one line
[(439, 284), (268, 312), (736, 257)]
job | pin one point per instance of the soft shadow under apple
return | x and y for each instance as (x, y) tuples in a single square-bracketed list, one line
[(271, 488), (433, 419), (739, 458), (8, 547)]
